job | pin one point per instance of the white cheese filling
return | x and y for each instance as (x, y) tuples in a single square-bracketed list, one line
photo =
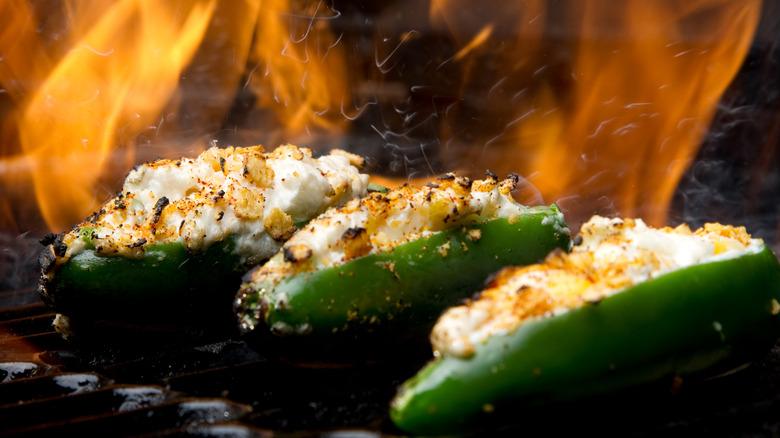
[(198, 202), (618, 254), (413, 216)]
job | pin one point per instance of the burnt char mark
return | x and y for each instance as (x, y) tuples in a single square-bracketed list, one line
[(48, 239), (577, 241), (296, 253), (58, 247), (356, 242), (289, 255), (47, 259), (352, 233), (43, 292), (139, 242), (491, 175), (158, 208), (515, 178)]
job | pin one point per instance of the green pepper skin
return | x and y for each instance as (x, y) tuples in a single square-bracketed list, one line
[(702, 320), (399, 294), (168, 285)]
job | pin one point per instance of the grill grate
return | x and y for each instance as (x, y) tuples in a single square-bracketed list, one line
[(223, 388)]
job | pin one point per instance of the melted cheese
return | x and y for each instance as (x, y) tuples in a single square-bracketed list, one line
[(254, 196), (379, 222), (613, 255)]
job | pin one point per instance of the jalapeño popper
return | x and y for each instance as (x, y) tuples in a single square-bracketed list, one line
[(383, 267), (629, 305)]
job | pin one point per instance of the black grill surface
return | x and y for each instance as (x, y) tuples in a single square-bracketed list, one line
[(218, 385)]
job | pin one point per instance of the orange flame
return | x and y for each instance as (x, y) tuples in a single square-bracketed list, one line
[(124, 66), (296, 77), (600, 105), (91, 100), (615, 125)]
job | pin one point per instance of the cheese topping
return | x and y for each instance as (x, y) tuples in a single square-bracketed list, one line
[(254, 196), (379, 222), (612, 256)]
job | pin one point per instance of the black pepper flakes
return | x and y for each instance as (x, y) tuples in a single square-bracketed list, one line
[(379, 196), (465, 183), (93, 218)]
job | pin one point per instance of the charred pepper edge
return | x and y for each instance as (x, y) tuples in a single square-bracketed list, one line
[(525, 367), (50, 259), (93, 285), (372, 290)]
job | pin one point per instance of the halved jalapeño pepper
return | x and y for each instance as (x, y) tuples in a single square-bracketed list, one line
[(629, 305), (384, 267), (170, 249)]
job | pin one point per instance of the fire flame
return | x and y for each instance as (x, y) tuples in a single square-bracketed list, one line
[(600, 105), (620, 124)]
